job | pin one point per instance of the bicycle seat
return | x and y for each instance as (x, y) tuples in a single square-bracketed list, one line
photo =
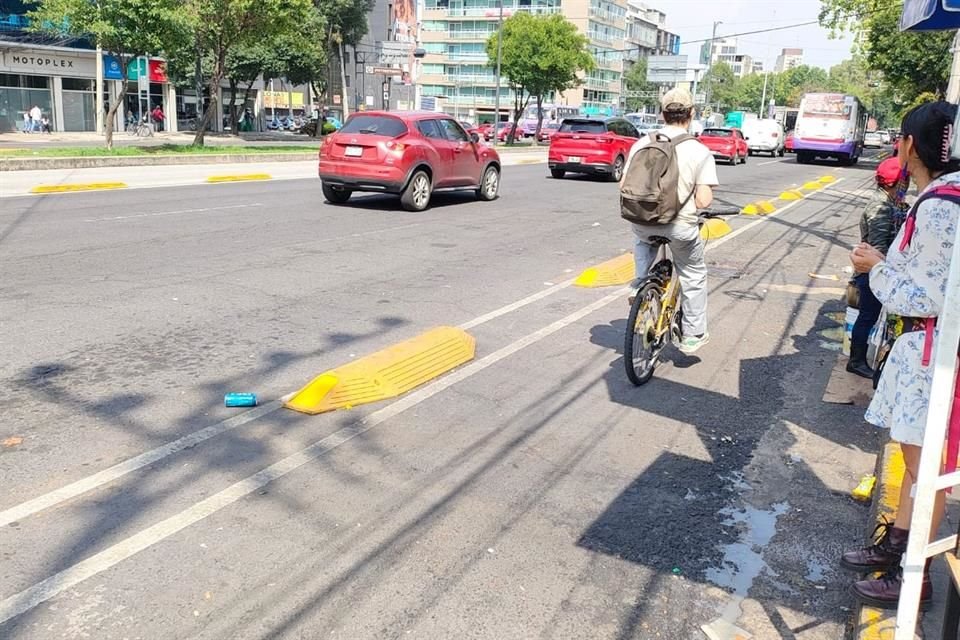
[(658, 240)]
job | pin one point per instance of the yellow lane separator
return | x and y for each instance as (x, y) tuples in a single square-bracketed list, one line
[(813, 185), (827, 180), (791, 194), (241, 177), (760, 208), (715, 228), (620, 270), (387, 373), (84, 186)]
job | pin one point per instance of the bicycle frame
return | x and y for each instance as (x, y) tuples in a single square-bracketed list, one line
[(671, 285)]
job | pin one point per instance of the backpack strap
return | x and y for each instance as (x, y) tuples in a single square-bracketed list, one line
[(675, 141)]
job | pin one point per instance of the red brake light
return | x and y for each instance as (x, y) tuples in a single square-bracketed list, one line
[(774, 135), (604, 140), (395, 147)]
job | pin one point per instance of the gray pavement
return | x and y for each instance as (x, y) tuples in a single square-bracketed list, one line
[(534, 494)]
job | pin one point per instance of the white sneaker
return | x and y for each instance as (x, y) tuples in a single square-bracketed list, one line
[(692, 344)]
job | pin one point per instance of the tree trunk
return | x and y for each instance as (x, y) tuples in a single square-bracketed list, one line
[(520, 105), (233, 107), (246, 96), (536, 135), (112, 112), (198, 86), (211, 110), (343, 84)]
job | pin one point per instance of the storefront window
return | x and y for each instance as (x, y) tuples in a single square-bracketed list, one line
[(20, 93), (78, 105)]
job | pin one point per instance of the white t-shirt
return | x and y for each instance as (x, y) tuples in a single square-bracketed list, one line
[(695, 164), (35, 113)]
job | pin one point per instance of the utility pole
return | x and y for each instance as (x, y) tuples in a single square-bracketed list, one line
[(496, 98), (763, 100), (709, 81)]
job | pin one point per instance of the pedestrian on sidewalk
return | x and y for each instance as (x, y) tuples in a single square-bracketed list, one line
[(158, 117), (26, 122), (911, 282), (878, 225), (35, 116)]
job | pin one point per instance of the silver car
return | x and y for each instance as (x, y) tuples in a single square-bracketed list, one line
[(873, 139)]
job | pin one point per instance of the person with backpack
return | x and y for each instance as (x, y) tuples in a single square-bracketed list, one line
[(911, 282), (878, 225), (668, 176)]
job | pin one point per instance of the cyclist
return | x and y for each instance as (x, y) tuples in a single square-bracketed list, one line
[(698, 176)]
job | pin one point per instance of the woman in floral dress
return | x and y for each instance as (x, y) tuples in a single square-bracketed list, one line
[(911, 282)]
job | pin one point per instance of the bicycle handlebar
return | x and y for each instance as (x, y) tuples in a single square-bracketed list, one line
[(716, 213)]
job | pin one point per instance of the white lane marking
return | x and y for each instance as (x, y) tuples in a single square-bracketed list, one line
[(516, 305), (118, 470), (74, 489), (173, 213), (46, 589), (763, 164)]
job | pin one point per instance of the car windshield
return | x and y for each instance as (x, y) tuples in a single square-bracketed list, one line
[(375, 125), (553, 125), (583, 126), (718, 133)]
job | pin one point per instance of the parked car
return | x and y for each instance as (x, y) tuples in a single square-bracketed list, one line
[(485, 130), (764, 136), (873, 139), (547, 131), (591, 146), (469, 128), (411, 154), (885, 137), (726, 144), (788, 142), (503, 131)]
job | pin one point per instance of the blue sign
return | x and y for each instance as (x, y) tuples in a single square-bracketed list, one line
[(111, 68), (930, 15)]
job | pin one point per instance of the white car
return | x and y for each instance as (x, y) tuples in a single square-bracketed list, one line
[(885, 136), (765, 136), (873, 139)]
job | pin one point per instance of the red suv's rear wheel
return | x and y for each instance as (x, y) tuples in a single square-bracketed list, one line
[(336, 195), (416, 197), (617, 172)]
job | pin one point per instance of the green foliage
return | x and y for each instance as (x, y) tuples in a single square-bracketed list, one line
[(636, 80), (541, 54), (911, 63), (327, 128), (790, 85), (722, 85), (853, 77)]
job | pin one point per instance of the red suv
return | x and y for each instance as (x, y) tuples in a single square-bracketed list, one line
[(411, 154), (587, 145), (726, 144)]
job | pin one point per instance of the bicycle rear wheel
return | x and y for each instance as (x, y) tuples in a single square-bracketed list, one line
[(642, 346)]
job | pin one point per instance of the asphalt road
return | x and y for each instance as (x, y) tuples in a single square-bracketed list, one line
[(536, 494)]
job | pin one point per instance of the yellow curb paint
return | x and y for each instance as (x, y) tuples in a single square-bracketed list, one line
[(86, 186), (387, 373), (239, 177), (827, 180), (766, 207), (812, 186), (864, 491), (614, 272), (875, 624), (791, 194), (12, 149), (715, 228)]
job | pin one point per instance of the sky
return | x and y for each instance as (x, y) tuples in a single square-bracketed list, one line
[(693, 20)]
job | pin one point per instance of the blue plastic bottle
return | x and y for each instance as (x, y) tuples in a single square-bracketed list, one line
[(240, 400)]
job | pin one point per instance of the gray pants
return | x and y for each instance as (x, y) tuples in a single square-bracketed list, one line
[(687, 249)]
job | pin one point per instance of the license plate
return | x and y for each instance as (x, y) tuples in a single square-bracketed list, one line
[(355, 152), (575, 159)]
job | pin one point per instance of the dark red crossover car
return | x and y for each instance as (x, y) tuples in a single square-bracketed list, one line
[(592, 146), (726, 144), (788, 142), (411, 154)]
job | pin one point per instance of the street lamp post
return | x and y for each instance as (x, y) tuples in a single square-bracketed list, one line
[(496, 98), (709, 82)]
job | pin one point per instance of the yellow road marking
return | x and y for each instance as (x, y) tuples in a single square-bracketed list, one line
[(619, 270), (85, 186), (239, 177)]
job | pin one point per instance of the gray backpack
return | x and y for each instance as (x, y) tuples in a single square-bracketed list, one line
[(650, 192)]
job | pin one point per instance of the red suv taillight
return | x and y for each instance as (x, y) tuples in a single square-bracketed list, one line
[(394, 147), (604, 140)]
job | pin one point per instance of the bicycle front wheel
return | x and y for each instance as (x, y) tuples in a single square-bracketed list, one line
[(642, 345)]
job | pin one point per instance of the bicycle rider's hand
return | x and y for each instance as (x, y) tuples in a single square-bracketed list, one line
[(864, 258)]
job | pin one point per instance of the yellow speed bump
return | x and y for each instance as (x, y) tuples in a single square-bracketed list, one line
[(620, 270), (241, 177), (812, 186), (761, 208), (714, 228), (827, 180), (85, 186), (791, 194), (387, 373)]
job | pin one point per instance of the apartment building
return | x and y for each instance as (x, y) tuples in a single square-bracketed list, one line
[(456, 68), (788, 59)]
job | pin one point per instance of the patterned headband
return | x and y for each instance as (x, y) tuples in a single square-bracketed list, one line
[(945, 144)]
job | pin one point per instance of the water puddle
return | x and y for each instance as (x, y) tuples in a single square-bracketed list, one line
[(742, 563)]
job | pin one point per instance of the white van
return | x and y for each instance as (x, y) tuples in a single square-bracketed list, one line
[(764, 136)]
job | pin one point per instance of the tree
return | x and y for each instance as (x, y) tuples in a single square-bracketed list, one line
[(722, 83), (853, 77), (911, 63), (636, 80), (793, 83), (346, 24), (540, 55), (220, 26), (124, 29)]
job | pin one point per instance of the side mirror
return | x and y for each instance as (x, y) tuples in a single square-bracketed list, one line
[(475, 136)]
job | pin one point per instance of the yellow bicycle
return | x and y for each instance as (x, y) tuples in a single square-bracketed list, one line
[(656, 316)]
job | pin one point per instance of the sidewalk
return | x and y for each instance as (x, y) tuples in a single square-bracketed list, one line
[(20, 183)]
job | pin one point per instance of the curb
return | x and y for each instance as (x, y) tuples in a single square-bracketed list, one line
[(619, 270), (82, 186), (33, 164), (241, 177), (387, 373), (871, 623)]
